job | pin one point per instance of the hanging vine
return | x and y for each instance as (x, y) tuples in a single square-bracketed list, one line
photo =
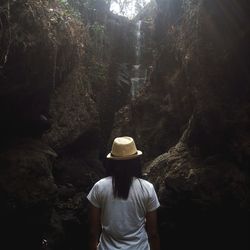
[(5, 21)]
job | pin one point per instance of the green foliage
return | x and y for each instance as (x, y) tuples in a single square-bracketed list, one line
[(97, 40), (63, 2), (98, 72), (67, 9), (97, 28)]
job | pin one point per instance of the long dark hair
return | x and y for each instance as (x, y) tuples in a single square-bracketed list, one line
[(122, 172)]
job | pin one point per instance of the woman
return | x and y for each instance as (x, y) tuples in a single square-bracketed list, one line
[(123, 204)]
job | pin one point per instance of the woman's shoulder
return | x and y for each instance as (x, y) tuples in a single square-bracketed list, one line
[(104, 181), (145, 183)]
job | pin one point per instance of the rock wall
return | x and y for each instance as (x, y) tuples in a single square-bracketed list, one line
[(48, 118), (203, 73), (192, 119), (113, 91), (63, 75), (203, 66), (200, 67)]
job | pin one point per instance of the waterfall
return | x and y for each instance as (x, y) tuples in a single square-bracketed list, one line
[(138, 72), (138, 42)]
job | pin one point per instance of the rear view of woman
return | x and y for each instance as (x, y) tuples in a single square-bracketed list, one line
[(123, 206)]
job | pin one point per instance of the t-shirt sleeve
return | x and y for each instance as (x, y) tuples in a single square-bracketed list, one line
[(94, 196), (153, 202)]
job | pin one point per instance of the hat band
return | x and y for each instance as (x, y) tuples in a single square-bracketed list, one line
[(123, 155)]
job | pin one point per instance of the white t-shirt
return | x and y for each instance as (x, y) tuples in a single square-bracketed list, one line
[(123, 221)]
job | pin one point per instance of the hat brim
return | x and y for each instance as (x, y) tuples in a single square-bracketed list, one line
[(120, 158)]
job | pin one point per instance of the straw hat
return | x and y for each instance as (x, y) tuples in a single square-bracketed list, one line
[(123, 148)]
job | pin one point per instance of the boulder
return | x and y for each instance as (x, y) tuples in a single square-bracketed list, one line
[(28, 192), (203, 202)]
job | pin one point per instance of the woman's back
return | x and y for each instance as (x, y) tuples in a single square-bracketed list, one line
[(123, 221)]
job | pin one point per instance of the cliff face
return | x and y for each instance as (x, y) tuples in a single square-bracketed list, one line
[(112, 91), (203, 68), (62, 78), (202, 76), (46, 110), (194, 115)]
